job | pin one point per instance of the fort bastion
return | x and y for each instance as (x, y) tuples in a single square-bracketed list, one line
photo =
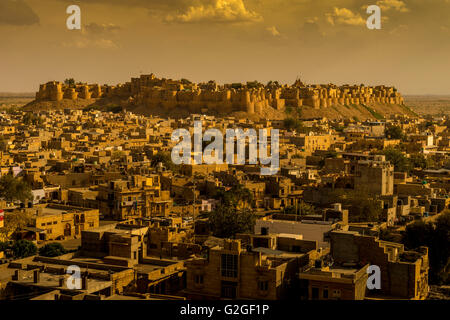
[(252, 97)]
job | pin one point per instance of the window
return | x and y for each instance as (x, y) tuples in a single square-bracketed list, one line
[(55, 222), (49, 223), (91, 224), (325, 293), (199, 279), (336, 293), (263, 285), (229, 265)]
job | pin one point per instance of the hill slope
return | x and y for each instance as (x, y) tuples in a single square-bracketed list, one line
[(358, 112)]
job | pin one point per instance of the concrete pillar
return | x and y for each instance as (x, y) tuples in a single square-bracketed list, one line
[(36, 276)]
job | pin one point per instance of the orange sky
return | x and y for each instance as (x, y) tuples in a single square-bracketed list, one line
[(227, 40)]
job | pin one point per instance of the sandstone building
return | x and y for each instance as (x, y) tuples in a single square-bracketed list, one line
[(152, 92)]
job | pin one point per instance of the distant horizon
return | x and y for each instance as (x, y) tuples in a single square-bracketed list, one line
[(33, 91)]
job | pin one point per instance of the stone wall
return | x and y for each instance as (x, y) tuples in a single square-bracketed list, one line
[(168, 94)]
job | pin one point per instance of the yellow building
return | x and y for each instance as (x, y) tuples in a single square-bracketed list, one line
[(139, 197), (311, 143), (55, 222), (263, 271)]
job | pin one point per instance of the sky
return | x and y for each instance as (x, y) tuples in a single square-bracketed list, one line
[(318, 41)]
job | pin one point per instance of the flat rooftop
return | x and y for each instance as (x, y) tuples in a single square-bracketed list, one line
[(277, 253), (50, 280)]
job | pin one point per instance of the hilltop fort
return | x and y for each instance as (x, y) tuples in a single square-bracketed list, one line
[(148, 93)]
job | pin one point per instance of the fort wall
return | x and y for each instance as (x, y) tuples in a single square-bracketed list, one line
[(152, 92)]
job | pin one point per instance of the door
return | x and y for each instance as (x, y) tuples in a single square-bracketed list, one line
[(228, 290)]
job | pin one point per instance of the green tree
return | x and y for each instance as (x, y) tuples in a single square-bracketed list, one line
[(418, 160), (302, 209), (417, 234), (293, 124), (253, 84), (364, 210), (4, 246), (441, 248), (70, 82), (23, 249), (273, 84), (242, 196), (32, 119), (165, 158), (12, 188), (394, 132), (227, 221), (52, 250), (436, 236), (237, 196), (362, 207), (398, 159), (14, 221)]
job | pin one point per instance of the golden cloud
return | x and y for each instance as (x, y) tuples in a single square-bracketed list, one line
[(396, 5), (273, 31), (217, 11), (344, 16)]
